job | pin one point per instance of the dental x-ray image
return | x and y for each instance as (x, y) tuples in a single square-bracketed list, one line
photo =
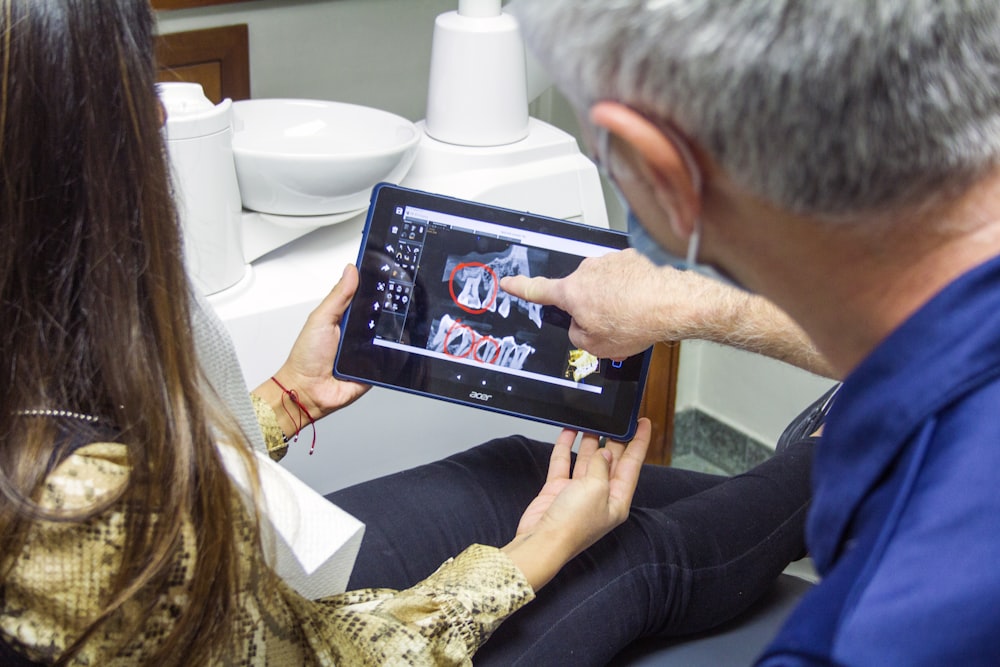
[(430, 317), (461, 341), (479, 284), (475, 320)]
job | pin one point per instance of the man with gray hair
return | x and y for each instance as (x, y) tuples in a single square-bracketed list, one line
[(840, 158)]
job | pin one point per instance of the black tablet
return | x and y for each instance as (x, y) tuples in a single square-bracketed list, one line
[(430, 318)]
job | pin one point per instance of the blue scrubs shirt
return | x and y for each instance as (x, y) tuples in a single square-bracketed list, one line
[(905, 523)]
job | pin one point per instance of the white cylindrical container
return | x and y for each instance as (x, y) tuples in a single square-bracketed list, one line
[(200, 145), (477, 92)]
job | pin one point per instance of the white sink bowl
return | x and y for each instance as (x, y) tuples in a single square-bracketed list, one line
[(312, 157)]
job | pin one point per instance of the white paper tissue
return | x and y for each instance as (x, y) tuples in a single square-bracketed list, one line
[(310, 542)]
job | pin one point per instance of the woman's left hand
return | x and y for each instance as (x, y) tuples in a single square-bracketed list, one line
[(308, 371), (579, 504)]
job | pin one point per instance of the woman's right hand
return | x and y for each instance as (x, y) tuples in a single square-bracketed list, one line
[(579, 503), (309, 368)]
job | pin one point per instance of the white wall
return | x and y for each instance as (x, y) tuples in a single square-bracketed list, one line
[(372, 52), (377, 53), (756, 395)]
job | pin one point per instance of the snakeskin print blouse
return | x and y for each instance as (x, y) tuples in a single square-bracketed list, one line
[(55, 585)]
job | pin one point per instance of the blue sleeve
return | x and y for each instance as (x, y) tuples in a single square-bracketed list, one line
[(915, 582)]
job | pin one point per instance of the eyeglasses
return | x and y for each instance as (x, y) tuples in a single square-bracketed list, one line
[(617, 171), (603, 157)]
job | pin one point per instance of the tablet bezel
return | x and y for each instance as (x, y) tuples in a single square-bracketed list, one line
[(612, 413)]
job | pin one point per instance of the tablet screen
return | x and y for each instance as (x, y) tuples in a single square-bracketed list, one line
[(429, 316)]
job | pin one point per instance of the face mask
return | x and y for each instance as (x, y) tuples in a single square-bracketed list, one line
[(640, 239)]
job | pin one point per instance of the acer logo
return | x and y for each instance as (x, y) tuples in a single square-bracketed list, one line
[(480, 397)]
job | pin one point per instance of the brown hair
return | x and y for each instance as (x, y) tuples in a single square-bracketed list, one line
[(95, 303)]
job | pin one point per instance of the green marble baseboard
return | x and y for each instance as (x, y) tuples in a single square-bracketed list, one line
[(703, 436)]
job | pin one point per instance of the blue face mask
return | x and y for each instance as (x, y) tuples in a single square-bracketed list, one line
[(640, 239)]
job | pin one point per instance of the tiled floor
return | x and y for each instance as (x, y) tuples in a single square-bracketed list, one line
[(695, 462), (700, 439)]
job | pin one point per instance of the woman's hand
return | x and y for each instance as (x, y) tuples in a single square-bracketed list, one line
[(579, 503), (308, 371)]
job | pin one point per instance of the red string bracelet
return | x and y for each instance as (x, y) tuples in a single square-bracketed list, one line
[(294, 397)]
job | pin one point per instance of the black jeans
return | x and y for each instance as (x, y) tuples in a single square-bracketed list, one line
[(696, 550)]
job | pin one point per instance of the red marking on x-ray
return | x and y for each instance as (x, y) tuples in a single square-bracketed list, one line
[(477, 341), (451, 287)]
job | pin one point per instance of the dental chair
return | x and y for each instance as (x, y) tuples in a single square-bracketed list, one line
[(734, 644)]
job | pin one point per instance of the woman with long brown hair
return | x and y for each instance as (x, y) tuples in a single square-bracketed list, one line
[(123, 538), (94, 309), (96, 349)]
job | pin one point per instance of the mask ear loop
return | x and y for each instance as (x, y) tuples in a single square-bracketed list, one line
[(693, 243)]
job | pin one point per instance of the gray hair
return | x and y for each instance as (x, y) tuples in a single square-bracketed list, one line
[(825, 107)]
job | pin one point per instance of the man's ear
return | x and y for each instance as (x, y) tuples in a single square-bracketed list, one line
[(661, 160)]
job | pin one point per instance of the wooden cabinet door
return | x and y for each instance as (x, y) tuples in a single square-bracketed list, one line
[(217, 58), (659, 399)]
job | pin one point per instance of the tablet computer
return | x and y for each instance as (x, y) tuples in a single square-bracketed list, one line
[(429, 316)]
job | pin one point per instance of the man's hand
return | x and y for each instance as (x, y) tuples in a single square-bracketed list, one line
[(620, 303)]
